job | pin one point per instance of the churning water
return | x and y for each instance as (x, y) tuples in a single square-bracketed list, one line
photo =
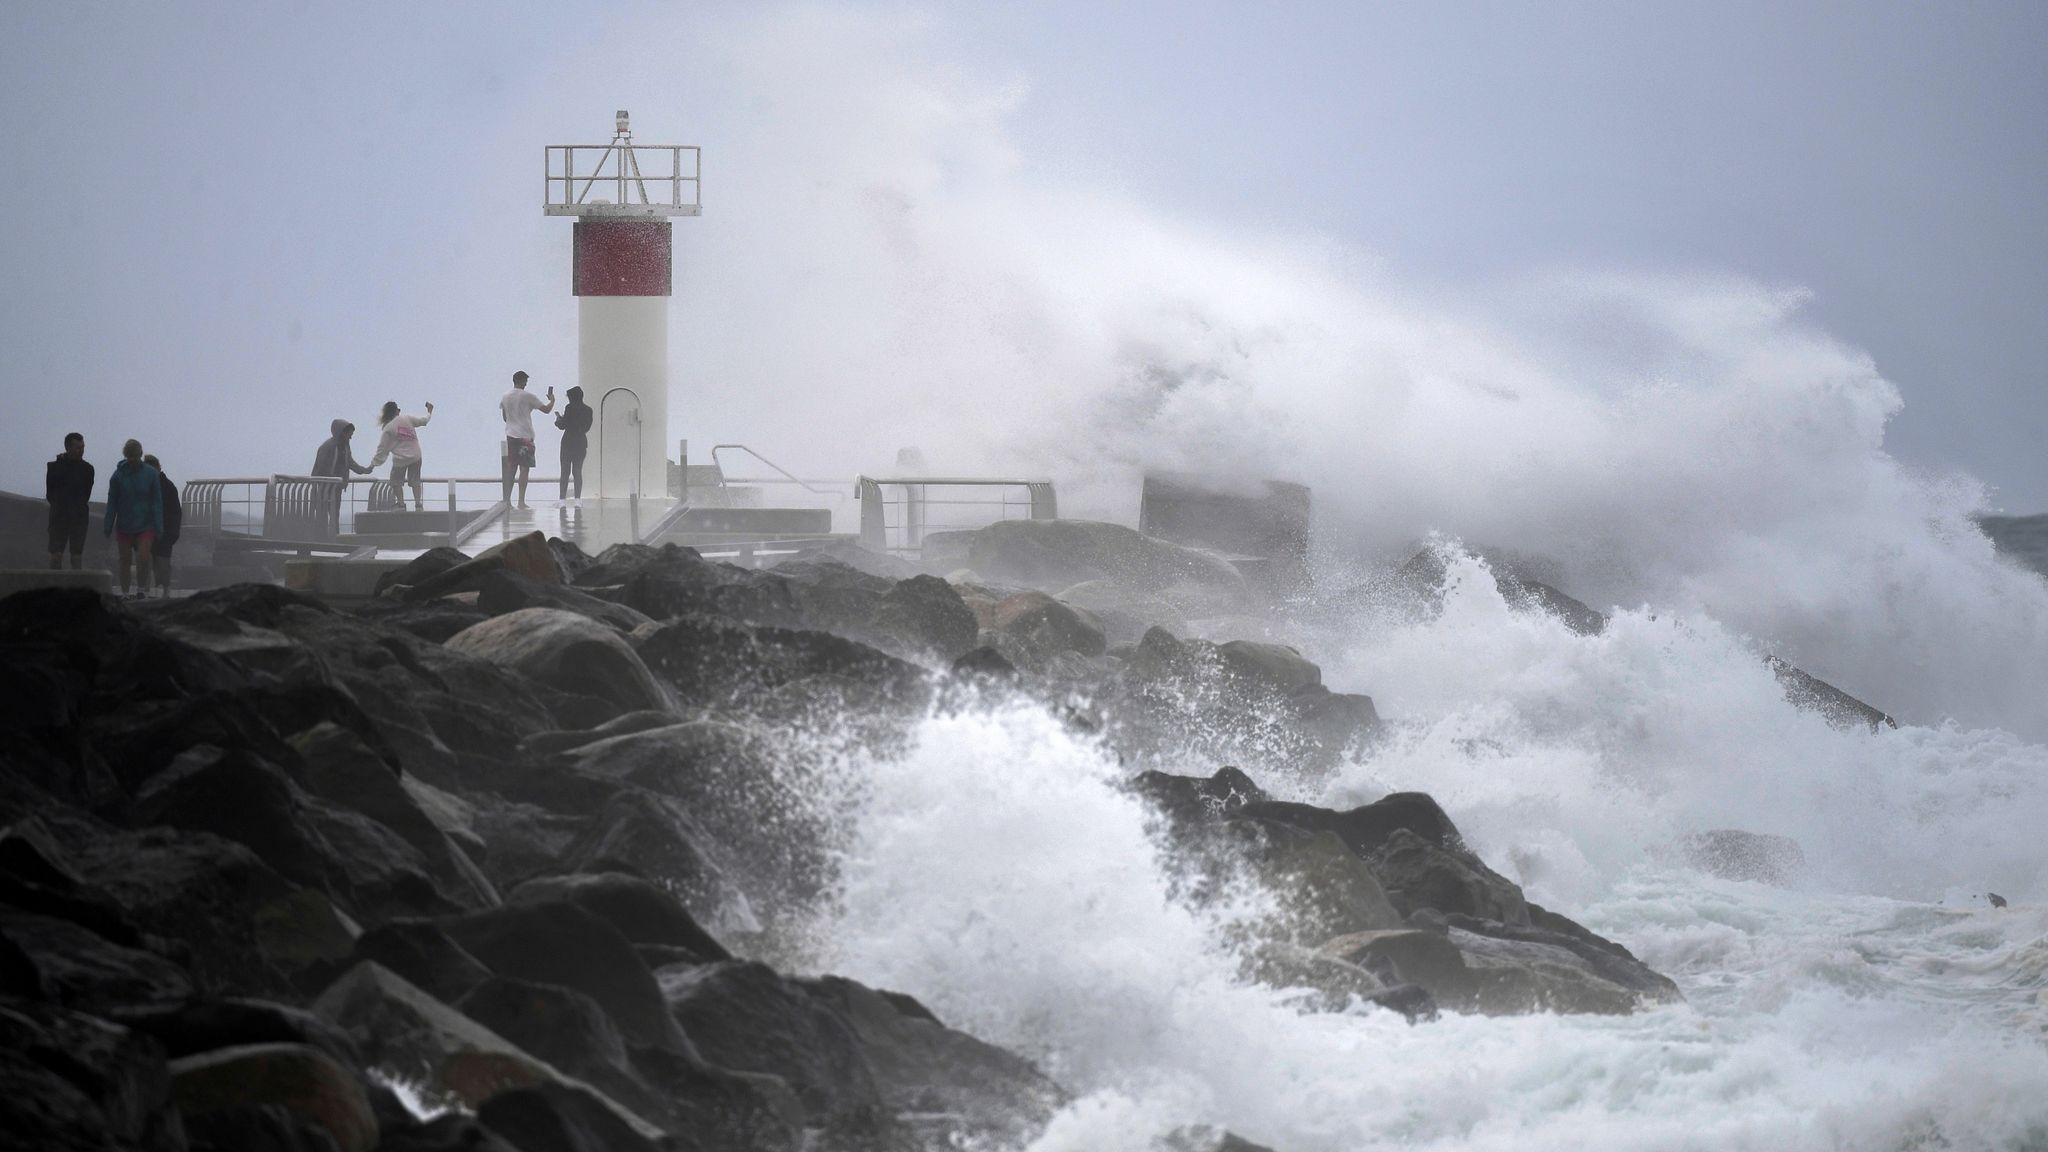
[(998, 873), (1694, 457)]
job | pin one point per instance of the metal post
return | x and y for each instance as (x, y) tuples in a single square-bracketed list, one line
[(633, 513), (454, 521)]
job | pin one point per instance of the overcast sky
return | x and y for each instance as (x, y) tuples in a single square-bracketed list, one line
[(225, 224)]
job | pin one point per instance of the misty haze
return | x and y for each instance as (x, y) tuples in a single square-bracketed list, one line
[(1069, 578)]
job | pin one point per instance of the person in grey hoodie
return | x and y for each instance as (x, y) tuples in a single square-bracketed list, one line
[(337, 458)]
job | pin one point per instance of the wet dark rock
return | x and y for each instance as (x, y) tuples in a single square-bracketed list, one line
[(83, 970), (641, 910), (453, 1132), (550, 743), (1044, 625), (1174, 700), (677, 581), (256, 1128), (432, 620), (302, 1080), (363, 866), (449, 1058), (1055, 554), (424, 955), (1190, 800), (421, 568), (1367, 828), (560, 1025), (204, 903), (1205, 1138), (501, 592), (644, 834), (559, 943), (921, 1066), (1421, 874), (712, 662), (336, 766), (566, 651), (70, 1081), (924, 615), (985, 665), (1816, 695), (742, 1015), (555, 1117), (1733, 854), (231, 1022)]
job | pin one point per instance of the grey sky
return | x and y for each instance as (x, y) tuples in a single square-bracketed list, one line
[(229, 223)]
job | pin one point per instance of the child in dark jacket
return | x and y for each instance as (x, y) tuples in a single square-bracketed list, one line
[(174, 522)]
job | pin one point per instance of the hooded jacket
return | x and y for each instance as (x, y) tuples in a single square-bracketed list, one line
[(135, 499), (401, 439), (337, 455)]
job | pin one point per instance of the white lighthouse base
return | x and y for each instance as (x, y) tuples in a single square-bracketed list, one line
[(622, 365)]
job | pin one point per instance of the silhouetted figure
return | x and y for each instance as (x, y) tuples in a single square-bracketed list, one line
[(67, 485), (401, 442), (518, 407), (135, 516), (337, 456), (575, 423), (174, 522)]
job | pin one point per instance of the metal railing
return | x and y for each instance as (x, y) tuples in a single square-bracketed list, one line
[(616, 169), (325, 508), (900, 522)]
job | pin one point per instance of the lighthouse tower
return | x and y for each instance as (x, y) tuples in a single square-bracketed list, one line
[(622, 195)]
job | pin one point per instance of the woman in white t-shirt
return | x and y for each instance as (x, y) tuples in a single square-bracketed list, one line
[(401, 442)]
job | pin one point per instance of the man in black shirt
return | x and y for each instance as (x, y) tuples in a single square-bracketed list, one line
[(67, 485)]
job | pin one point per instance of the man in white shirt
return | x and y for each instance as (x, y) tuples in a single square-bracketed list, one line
[(518, 407)]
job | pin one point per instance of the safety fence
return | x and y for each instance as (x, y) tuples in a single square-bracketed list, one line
[(323, 509), (898, 514)]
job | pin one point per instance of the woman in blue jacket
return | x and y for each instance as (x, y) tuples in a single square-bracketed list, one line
[(135, 515)]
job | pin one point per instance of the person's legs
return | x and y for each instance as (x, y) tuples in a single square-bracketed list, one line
[(143, 544), (161, 562), (508, 468), (525, 473), (59, 533), (563, 494), (124, 552), (576, 465)]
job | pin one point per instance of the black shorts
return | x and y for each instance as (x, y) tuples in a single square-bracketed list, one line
[(67, 533)]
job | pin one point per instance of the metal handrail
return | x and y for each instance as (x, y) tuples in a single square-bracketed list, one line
[(787, 475), (874, 525)]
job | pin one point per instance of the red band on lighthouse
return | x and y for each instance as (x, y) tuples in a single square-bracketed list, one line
[(623, 257)]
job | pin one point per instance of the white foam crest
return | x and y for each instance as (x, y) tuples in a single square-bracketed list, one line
[(997, 873), (1572, 760)]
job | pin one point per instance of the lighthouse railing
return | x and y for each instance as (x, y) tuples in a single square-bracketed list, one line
[(900, 513)]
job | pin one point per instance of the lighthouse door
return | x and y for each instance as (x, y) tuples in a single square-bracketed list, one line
[(618, 443)]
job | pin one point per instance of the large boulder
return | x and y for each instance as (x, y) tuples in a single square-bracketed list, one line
[(566, 651), (361, 864), (921, 1067), (82, 969), (1044, 625), (556, 1117), (450, 1059), (1176, 700), (302, 1080), (501, 592), (644, 912), (69, 1081), (718, 663), (206, 904), (558, 943), (744, 1016)]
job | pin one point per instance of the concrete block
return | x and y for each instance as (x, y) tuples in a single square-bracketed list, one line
[(14, 580), (338, 579)]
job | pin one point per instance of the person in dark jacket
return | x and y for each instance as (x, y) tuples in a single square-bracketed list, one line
[(337, 458), (135, 514), (67, 484), (174, 521), (575, 425)]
